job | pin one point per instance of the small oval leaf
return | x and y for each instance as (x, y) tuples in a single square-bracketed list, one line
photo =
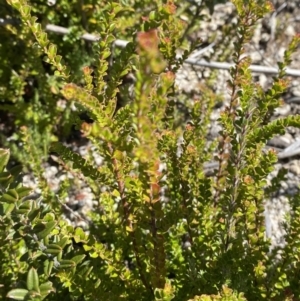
[(46, 288), (39, 227), (17, 294), (33, 280), (23, 191), (53, 249), (9, 198), (5, 177), (33, 214), (48, 266), (16, 170), (48, 228), (64, 264), (4, 157), (26, 205), (63, 242), (77, 259), (8, 208)]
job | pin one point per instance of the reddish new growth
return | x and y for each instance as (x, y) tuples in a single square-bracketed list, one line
[(170, 7), (148, 41)]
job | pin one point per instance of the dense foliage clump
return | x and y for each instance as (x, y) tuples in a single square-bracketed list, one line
[(163, 229)]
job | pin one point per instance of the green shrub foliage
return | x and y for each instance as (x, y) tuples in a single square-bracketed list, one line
[(163, 229)]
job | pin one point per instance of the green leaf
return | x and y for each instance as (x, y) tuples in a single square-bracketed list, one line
[(43, 36), (8, 208), (49, 217), (33, 21), (58, 59), (63, 242), (22, 211), (48, 228), (90, 102), (52, 50), (46, 288), (105, 54), (33, 280), (78, 162), (10, 197), (39, 227), (77, 259), (4, 157), (36, 254), (5, 178), (64, 264), (33, 214), (53, 249), (97, 283), (86, 271), (48, 266), (13, 193), (17, 294), (26, 205), (79, 235), (23, 191), (25, 10), (16, 170)]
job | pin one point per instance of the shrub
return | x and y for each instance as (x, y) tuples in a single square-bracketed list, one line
[(163, 230)]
